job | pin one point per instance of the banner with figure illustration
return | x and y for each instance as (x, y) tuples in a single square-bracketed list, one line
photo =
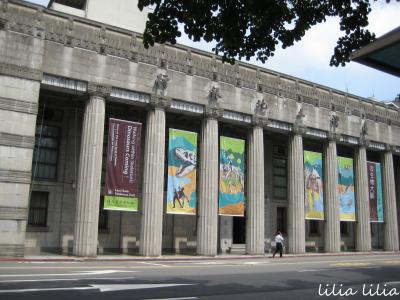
[(313, 179), (346, 189), (122, 167), (375, 191), (231, 177), (182, 160)]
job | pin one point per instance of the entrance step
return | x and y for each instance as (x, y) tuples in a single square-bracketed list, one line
[(237, 249)]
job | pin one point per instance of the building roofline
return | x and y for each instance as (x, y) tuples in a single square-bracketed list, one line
[(204, 53)]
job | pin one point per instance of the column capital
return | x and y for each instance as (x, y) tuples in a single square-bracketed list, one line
[(160, 102), (258, 121), (213, 111), (390, 148), (299, 129), (363, 142), (333, 136), (94, 89)]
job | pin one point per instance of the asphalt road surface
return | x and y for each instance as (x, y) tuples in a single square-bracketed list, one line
[(355, 277)]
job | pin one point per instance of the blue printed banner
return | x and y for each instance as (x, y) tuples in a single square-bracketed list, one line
[(375, 191), (182, 159)]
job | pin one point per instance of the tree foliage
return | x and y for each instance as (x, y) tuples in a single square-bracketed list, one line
[(247, 28)]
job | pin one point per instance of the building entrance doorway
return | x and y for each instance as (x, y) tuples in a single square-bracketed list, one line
[(239, 230)]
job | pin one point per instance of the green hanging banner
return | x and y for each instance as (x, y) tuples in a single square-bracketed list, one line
[(314, 194), (231, 177)]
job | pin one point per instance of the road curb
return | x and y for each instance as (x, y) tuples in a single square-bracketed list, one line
[(185, 258)]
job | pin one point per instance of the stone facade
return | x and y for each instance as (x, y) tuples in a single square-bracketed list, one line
[(88, 71)]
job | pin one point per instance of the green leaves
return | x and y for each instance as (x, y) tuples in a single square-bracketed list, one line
[(248, 28)]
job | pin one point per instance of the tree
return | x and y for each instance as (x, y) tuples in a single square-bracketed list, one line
[(247, 28)]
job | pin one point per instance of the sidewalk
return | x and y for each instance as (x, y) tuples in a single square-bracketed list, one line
[(117, 257)]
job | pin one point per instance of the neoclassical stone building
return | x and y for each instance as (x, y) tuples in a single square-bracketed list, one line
[(63, 75)]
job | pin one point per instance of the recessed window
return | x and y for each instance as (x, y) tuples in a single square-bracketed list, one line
[(103, 215), (45, 154), (314, 227), (344, 228), (279, 181), (281, 219), (38, 206)]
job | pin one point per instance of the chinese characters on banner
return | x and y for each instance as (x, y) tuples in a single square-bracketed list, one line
[(123, 154), (182, 169), (231, 177), (313, 179), (375, 191)]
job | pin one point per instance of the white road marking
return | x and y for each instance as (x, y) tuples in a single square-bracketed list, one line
[(47, 289), (254, 262), (154, 264), (181, 298), (80, 273), (64, 279), (101, 287), (209, 263), (334, 269), (120, 287), (392, 282)]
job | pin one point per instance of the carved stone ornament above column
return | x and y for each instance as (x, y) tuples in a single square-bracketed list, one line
[(214, 96), (160, 85), (261, 107), (364, 132), (160, 102), (95, 89), (298, 126), (334, 122)]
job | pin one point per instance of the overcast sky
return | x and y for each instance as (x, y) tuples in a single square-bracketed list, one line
[(309, 58)]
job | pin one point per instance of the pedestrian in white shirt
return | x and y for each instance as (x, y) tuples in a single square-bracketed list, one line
[(279, 244)]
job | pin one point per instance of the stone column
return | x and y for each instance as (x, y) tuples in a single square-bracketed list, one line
[(153, 180), (363, 227), (89, 173), (390, 210), (296, 228), (207, 226), (255, 193), (332, 222)]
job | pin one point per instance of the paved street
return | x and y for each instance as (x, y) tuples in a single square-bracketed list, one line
[(257, 278)]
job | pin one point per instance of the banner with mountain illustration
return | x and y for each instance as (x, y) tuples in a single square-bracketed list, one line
[(231, 177), (122, 167), (346, 189), (314, 195), (375, 191), (182, 169)]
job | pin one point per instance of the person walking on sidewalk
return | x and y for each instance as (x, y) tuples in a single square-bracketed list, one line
[(279, 244)]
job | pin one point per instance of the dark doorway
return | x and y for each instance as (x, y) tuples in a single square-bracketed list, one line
[(239, 230)]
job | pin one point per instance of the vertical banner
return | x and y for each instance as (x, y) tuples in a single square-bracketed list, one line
[(375, 191), (123, 154), (314, 195), (346, 189), (182, 160), (231, 177)]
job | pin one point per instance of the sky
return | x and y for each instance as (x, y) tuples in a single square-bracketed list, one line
[(309, 58)]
